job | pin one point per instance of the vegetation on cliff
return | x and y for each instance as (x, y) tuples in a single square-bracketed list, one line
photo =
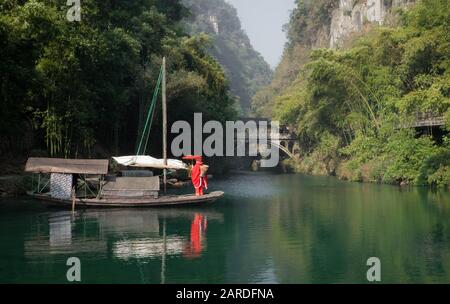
[(353, 108), (307, 28), (245, 68)]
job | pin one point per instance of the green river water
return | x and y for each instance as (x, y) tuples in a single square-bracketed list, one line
[(267, 229)]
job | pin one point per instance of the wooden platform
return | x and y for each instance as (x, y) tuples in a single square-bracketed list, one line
[(166, 200)]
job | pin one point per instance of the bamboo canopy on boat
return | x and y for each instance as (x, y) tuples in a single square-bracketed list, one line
[(67, 166)]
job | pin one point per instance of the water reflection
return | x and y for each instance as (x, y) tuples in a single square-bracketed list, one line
[(197, 243), (60, 229), (127, 233), (268, 229), (54, 234)]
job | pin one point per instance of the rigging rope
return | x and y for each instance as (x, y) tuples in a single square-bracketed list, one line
[(149, 120)]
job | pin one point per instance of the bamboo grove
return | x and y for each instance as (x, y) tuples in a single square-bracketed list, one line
[(354, 108), (83, 88)]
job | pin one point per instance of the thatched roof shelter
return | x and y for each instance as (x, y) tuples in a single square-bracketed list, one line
[(67, 166)]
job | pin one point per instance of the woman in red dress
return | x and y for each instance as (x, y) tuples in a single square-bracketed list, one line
[(198, 176)]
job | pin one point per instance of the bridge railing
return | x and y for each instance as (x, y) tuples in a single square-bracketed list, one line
[(429, 119)]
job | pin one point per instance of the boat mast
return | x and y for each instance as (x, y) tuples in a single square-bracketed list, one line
[(164, 110)]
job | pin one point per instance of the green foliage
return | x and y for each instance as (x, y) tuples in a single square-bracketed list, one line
[(367, 95), (304, 32), (447, 119), (436, 169), (362, 149), (307, 19), (405, 155), (86, 86), (291, 65)]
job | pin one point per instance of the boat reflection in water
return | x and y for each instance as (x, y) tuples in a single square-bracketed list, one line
[(149, 247), (54, 234), (126, 234)]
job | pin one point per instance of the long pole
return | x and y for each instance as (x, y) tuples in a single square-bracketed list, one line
[(164, 109)]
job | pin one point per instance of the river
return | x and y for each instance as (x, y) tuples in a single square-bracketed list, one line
[(267, 229)]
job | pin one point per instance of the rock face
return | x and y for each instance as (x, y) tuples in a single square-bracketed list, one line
[(214, 23), (352, 15), (245, 68)]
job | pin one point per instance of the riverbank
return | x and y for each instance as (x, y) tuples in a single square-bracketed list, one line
[(13, 185), (370, 172), (13, 181)]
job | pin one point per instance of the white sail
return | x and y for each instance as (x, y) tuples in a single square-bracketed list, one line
[(146, 161)]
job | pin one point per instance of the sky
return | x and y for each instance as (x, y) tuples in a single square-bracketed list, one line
[(263, 22)]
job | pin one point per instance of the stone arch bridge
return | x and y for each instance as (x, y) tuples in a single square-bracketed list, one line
[(287, 140)]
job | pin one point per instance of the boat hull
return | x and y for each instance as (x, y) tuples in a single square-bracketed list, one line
[(163, 201)]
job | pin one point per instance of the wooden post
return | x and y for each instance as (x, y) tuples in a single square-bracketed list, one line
[(73, 199), (164, 110)]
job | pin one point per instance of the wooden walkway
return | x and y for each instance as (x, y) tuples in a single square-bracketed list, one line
[(428, 119)]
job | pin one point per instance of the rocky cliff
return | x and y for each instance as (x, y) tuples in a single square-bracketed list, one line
[(322, 24), (352, 15), (246, 69)]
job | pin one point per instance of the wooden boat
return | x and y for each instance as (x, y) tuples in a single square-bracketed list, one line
[(163, 201), (85, 183)]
